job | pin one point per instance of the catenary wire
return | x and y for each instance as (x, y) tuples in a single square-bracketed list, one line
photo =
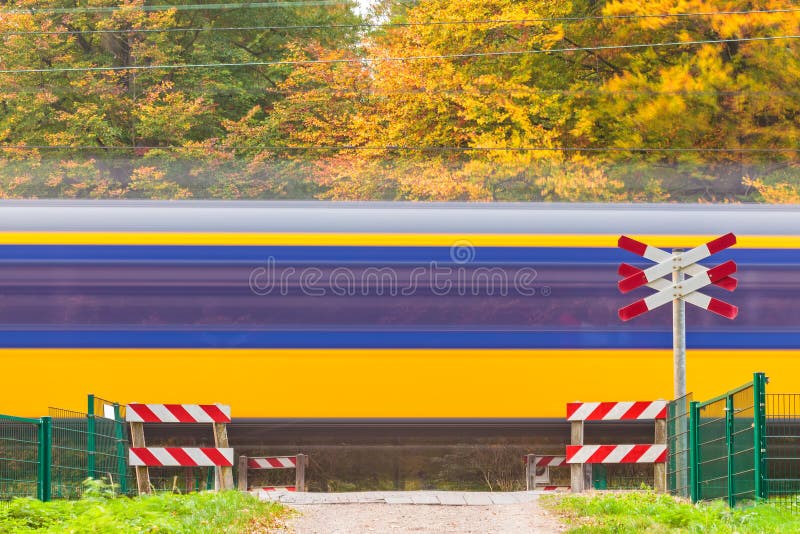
[(406, 58), (416, 148), (168, 7), (457, 91), (295, 27)]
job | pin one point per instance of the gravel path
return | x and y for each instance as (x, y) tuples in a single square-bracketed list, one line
[(523, 518)]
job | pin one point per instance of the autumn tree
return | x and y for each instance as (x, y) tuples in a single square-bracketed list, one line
[(104, 84), (624, 100)]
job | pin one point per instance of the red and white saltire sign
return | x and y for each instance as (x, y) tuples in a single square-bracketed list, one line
[(616, 454), (180, 456), (178, 413), (687, 289), (547, 461), (277, 488), (273, 462), (616, 411)]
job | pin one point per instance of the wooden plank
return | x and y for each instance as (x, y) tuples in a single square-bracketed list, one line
[(300, 473), (142, 473), (225, 474), (242, 473), (660, 469), (576, 471)]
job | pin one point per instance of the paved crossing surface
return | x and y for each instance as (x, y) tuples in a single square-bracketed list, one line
[(447, 498)]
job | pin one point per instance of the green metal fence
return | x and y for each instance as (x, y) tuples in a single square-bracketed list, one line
[(20, 454), (85, 445), (782, 440), (710, 448), (51, 456), (679, 457), (109, 446), (727, 445), (69, 446), (744, 447)]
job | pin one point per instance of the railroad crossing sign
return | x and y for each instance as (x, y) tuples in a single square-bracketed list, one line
[(679, 289), (677, 262)]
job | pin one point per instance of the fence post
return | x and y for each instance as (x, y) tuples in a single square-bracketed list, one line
[(122, 462), (530, 472), (576, 471), (694, 453), (660, 469), (300, 473), (210, 479), (759, 435), (243, 473), (729, 421), (672, 447), (45, 460), (91, 440), (221, 440), (142, 474)]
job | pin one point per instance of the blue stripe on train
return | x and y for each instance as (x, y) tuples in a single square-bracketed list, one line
[(393, 339), (353, 254)]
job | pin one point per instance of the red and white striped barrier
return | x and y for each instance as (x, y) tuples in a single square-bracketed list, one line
[(553, 488), (180, 457), (537, 470), (616, 454), (272, 462), (579, 454), (547, 461), (178, 413), (297, 462), (616, 411)]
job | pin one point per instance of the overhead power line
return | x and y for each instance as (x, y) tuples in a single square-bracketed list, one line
[(169, 7), (406, 58), (478, 22), (414, 148), (268, 89)]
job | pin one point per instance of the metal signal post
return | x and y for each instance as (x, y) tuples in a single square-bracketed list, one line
[(678, 290), (678, 336)]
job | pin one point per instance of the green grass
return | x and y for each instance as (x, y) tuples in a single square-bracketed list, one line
[(101, 511), (637, 512)]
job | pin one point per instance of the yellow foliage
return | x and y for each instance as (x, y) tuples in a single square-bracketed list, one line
[(150, 182), (777, 193), (578, 183), (522, 123)]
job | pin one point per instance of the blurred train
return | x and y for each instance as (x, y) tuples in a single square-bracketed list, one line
[(303, 310)]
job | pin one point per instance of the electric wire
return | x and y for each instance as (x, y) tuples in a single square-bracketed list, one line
[(516, 92), (468, 55), (477, 22), (169, 7), (415, 148)]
